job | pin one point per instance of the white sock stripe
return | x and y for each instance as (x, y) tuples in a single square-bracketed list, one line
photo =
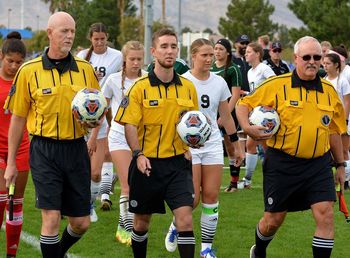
[(138, 238), (261, 236), (186, 241), (3, 197), (49, 240), (325, 243), (18, 201), (323, 246)]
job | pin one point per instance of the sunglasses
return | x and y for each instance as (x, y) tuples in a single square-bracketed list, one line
[(244, 43), (314, 57), (277, 50)]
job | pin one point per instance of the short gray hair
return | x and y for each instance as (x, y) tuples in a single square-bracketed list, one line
[(303, 40)]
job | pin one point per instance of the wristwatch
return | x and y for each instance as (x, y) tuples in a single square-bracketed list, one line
[(340, 164), (136, 153)]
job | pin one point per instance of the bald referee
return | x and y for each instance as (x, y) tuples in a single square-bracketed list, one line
[(160, 169), (298, 163), (41, 96)]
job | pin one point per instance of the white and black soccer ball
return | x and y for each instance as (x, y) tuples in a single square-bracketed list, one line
[(89, 105), (265, 116), (194, 128)]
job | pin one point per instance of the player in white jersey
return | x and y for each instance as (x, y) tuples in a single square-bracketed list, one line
[(207, 161), (345, 73), (332, 65), (105, 60), (114, 90), (258, 73)]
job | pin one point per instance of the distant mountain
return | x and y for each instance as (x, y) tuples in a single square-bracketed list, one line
[(197, 15)]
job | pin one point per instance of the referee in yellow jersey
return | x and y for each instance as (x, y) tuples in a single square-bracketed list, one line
[(161, 168), (298, 163), (41, 97)]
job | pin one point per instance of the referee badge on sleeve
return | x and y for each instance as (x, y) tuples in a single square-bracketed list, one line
[(326, 120), (125, 102), (12, 90)]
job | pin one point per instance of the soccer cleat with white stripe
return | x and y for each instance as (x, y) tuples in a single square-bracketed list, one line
[(252, 252), (171, 238)]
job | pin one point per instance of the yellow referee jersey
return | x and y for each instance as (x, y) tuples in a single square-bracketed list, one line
[(155, 109), (43, 95), (308, 113)]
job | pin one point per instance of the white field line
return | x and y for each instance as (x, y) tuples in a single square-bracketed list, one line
[(34, 242)]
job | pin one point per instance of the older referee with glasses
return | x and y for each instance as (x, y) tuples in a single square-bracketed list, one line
[(298, 163)]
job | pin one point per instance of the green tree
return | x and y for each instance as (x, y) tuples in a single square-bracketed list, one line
[(208, 30), (247, 17), (38, 42), (186, 29), (87, 12), (58, 5), (325, 20)]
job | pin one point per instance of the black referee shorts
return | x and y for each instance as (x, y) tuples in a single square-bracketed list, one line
[(294, 184), (61, 175), (170, 180)]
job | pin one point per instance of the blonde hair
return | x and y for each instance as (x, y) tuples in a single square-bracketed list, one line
[(265, 39), (130, 45), (197, 44), (257, 48)]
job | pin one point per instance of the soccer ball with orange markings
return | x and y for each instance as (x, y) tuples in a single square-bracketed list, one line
[(194, 128), (89, 105), (265, 116)]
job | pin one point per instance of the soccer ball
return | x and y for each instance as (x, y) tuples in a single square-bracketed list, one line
[(194, 128), (265, 116), (89, 105)]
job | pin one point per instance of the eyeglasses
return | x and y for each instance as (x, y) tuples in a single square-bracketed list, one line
[(314, 57), (277, 50), (244, 43)]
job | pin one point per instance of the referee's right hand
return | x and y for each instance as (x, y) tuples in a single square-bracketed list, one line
[(143, 165), (257, 132)]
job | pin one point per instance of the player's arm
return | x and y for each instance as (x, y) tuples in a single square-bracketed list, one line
[(15, 135), (143, 163), (337, 153), (229, 124), (236, 93)]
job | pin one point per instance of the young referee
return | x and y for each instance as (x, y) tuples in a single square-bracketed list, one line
[(41, 96), (161, 168), (298, 162)]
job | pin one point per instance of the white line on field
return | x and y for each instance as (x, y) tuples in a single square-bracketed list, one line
[(34, 242)]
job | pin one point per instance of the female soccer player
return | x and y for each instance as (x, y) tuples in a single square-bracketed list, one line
[(224, 67), (114, 90), (332, 66), (256, 75), (12, 56), (105, 60), (207, 161)]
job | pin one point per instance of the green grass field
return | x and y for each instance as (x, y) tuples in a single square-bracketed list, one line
[(239, 213)]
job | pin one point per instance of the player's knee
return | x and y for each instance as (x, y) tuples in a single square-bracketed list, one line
[(270, 225), (184, 222), (95, 176), (324, 216), (80, 226)]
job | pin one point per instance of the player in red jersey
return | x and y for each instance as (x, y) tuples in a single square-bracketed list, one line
[(12, 56)]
